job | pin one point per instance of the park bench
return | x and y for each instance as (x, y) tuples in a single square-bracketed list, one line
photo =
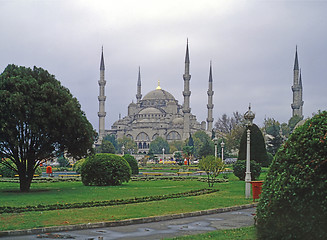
[(200, 172)]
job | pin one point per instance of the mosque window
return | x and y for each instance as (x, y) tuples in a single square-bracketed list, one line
[(142, 137), (173, 135)]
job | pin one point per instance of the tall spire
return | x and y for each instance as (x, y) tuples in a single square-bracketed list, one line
[(210, 100), (296, 62), (186, 94), (187, 57), (102, 100), (102, 61), (297, 105), (139, 94)]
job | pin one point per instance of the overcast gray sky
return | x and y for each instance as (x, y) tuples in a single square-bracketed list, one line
[(251, 45)]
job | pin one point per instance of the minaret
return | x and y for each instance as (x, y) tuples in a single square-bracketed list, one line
[(102, 100), (297, 104), (186, 94), (210, 104), (139, 95)]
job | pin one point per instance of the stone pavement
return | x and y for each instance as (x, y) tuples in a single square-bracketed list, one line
[(156, 230)]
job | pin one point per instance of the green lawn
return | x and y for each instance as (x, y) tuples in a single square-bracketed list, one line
[(230, 194)]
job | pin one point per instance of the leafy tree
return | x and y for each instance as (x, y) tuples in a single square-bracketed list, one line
[(207, 148), (212, 166), (63, 162), (107, 147), (132, 163), (258, 151), (175, 146), (226, 124), (129, 145), (105, 169), (293, 203), (275, 140), (188, 151), (39, 119), (178, 157), (111, 138), (158, 144), (293, 121)]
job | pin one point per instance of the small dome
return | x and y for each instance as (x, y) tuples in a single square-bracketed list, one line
[(150, 110)]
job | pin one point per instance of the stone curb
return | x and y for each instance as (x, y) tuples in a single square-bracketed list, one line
[(122, 222)]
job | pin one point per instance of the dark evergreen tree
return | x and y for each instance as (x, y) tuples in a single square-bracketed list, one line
[(258, 151), (206, 149), (112, 138), (107, 147)]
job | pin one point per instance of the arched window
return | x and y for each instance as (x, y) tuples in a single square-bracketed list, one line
[(144, 145), (173, 135), (129, 136), (155, 136), (140, 145), (142, 137)]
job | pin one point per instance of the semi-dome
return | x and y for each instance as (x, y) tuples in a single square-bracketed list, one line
[(150, 110)]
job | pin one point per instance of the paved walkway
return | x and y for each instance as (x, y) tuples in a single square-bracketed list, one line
[(156, 230)]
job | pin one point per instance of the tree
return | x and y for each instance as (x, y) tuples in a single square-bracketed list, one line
[(293, 203), (175, 146), (112, 138), (258, 150), (132, 163), (39, 119), (207, 148), (129, 145), (212, 166), (158, 144), (275, 140), (188, 151), (226, 124), (293, 121), (107, 147), (63, 162)]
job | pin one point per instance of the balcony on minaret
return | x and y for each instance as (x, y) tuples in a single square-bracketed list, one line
[(210, 92), (186, 77), (186, 93), (296, 87), (210, 106), (102, 82), (102, 98), (102, 114)]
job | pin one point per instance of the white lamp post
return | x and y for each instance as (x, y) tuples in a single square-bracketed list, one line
[(123, 149), (163, 156), (248, 116), (222, 149), (215, 140)]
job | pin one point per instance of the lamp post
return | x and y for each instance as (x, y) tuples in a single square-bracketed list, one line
[(215, 141), (248, 116), (222, 149), (163, 156), (123, 149)]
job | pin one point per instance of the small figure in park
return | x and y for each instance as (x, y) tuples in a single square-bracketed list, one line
[(49, 170)]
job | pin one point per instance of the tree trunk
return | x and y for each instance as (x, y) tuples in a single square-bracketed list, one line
[(25, 179)]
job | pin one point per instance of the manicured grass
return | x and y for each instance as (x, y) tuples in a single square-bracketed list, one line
[(230, 194), (245, 233)]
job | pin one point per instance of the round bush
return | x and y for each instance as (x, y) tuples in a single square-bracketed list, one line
[(293, 203), (132, 163), (105, 169), (240, 168)]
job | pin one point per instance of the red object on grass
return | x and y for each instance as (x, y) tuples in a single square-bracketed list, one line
[(48, 170), (256, 189)]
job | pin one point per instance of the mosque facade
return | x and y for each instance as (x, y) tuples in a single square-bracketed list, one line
[(158, 113)]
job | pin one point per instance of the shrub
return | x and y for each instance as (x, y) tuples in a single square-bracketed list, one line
[(293, 203), (132, 163), (212, 166), (105, 169), (240, 168), (257, 146), (77, 166)]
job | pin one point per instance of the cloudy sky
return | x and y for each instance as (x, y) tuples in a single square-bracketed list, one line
[(251, 45)]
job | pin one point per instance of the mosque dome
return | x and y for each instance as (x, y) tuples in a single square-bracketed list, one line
[(150, 110), (159, 94)]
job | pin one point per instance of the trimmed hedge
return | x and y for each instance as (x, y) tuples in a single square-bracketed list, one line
[(7, 172), (240, 168), (132, 163), (105, 169), (293, 204), (41, 207)]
